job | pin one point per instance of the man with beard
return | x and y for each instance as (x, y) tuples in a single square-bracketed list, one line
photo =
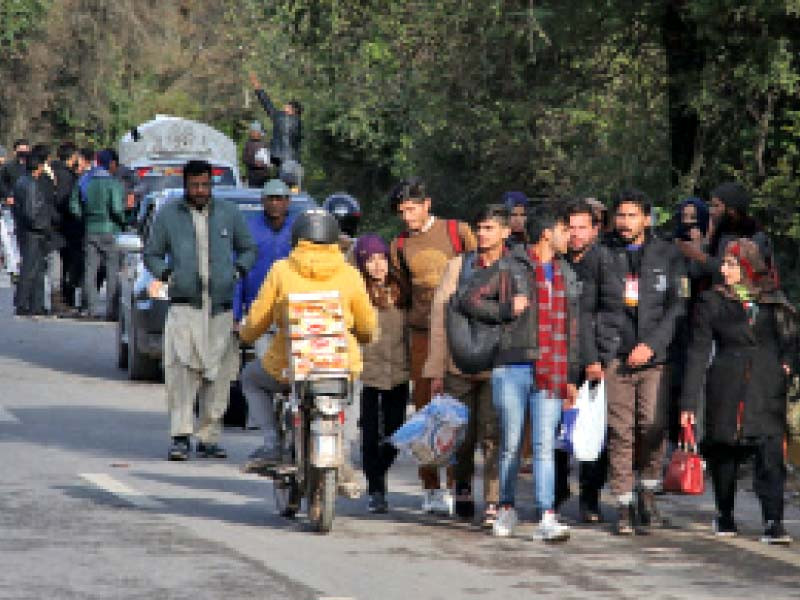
[(601, 301), (286, 126), (13, 169), (191, 248), (653, 299)]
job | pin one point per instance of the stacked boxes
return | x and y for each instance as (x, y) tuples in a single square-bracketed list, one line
[(317, 335)]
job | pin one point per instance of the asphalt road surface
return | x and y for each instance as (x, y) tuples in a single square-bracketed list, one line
[(90, 509)]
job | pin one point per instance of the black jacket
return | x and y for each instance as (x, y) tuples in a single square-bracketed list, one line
[(747, 367), (67, 226), (10, 173), (32, 207), (257, 174), (483, 298), (662, 294), (601, 305), (286, 130)]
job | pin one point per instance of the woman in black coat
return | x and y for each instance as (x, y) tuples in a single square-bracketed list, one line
[(754, 332)]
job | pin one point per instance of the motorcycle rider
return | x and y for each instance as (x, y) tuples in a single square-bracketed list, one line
[(316, 264)]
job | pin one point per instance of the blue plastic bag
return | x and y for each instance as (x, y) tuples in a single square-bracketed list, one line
[(435, 432), (566, 429)]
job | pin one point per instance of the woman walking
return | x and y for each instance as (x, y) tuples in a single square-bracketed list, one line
[(754, 332), (385, 377)]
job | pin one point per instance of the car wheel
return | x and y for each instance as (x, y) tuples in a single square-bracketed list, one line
[(122, 347), (140, 366)]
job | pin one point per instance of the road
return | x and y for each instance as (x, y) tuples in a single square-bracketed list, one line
[(90, 509)]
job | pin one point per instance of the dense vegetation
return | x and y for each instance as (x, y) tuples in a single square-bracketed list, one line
[(554, 97)]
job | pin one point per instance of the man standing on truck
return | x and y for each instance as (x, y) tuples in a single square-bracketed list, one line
[(286, 129), (201, 355)]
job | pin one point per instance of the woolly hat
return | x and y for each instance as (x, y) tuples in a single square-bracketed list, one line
[(732, 195), (366, 246), (104, 159), (512, 199), (702, 213)]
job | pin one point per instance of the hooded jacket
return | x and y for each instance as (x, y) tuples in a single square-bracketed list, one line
[(309, 268)]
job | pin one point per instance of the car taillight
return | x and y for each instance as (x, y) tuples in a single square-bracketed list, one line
[(142, 171), (217, 172)]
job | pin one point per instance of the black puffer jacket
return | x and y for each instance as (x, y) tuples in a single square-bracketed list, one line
[(601, 305), (663, 291), (747, 367), (286, 130)]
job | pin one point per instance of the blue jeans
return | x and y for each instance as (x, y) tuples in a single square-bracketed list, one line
[(513, 393)]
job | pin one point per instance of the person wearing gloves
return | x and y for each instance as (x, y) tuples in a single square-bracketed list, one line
[(753, 331), (385, 377), (252, 156)]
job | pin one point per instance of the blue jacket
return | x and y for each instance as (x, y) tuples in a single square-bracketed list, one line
[(271, 247)]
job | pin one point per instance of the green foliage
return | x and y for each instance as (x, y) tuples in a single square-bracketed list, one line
[(554, 97)]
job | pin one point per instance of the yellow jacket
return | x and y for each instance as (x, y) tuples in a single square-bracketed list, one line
[(309, 268)]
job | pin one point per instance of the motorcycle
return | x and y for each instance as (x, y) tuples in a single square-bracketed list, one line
[(310, 422)]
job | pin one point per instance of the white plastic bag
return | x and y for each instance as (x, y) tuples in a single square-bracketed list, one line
[(589, 433), (434, 433)]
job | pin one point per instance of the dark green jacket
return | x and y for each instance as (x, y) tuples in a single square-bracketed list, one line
[(103, 208), (231, 252)]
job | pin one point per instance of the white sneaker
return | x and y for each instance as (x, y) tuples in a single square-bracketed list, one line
[(550, 530), (505, 522), (429, 501)]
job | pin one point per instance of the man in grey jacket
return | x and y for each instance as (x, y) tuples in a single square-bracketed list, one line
[(199, 235)]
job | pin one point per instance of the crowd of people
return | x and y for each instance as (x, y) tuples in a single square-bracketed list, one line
[(687, 328), (573, 292), (66, 209)]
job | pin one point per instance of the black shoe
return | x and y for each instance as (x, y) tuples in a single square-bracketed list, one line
[(179, 450), (377, 503), (649, 514), (724, 526), (625, 520), (775, 533), (589, 507), (464, 504), (211, 451)]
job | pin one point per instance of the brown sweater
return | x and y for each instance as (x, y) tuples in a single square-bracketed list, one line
[(419, 271)]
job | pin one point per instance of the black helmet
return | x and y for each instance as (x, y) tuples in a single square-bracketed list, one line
[(316, 226), (347, 211)]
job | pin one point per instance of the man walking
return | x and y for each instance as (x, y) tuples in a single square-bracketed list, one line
[(418, 257), (13, 169), (601, 302), (474, 391), (200, 235), (652, 271), (100, 204)]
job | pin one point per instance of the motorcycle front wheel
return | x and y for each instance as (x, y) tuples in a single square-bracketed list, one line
[(322, 499)]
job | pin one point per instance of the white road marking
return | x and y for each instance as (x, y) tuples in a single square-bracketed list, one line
[(7, 417), (120, 490)]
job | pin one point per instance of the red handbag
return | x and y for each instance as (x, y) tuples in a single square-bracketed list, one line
[(685, 470)]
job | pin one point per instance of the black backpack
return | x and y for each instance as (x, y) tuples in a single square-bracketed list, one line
[(472, 343)]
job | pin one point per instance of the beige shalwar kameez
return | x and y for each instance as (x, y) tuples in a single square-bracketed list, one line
[(200, 355)]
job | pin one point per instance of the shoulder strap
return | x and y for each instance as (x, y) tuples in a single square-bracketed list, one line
[(401, 240), (467, 268), (455, 238)]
